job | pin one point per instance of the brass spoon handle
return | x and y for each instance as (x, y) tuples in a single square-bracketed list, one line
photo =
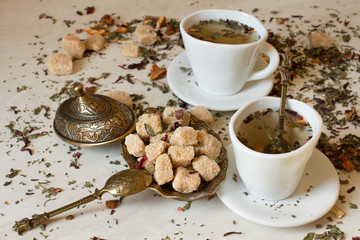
[(286, 64), (26, 224), (123, 183)]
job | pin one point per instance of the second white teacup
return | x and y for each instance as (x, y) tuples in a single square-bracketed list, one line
[(273, 176), (223, 69)]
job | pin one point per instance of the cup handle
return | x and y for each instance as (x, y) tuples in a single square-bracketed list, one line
[(269, 50)]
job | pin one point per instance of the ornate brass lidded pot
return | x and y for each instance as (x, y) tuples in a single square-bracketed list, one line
[(93, 120)]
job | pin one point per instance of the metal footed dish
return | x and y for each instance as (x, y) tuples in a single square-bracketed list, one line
[(205, 189)]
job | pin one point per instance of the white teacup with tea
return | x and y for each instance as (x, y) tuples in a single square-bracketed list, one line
[(223, 47), (273, 176)]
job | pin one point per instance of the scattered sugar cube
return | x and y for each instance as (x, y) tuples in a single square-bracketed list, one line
[(73, 46), (122, 97), (95, 42), (131, 50), (60, 64), (146, 34), (321, 39)]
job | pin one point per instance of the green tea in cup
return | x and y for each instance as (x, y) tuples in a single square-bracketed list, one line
[(223, 32), (261, 129), (224, 69)]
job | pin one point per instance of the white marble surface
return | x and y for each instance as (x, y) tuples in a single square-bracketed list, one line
[(25, 38)]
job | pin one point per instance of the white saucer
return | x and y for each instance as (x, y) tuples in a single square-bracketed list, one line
[(316, 194), (186, 88)]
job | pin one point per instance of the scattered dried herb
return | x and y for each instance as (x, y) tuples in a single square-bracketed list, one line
[(45, 16), (353, 206), (68, 23), (50, 191), (333, 233), (351, 189), (13, 173), (231, 233), (187, 206), (187, 70), (38, 110)]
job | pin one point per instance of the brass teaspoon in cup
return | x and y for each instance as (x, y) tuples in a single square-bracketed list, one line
[(282, 145), (124, 183)]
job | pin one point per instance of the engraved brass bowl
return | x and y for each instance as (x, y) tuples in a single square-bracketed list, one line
[(205, 189), (93, 120)]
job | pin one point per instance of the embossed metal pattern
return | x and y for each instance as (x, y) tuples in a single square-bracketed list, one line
[(205, 189), (93, 120)]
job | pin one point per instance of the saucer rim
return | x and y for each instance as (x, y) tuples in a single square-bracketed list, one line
[(236, 103), (331, 198)]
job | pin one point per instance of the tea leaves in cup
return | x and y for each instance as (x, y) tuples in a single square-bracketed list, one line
[(262, 128), (223, 31)]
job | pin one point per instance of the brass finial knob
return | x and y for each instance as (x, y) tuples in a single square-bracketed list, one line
[(78, 89)]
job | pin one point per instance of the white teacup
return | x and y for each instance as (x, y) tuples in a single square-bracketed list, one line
[(223, 69), (273, 176)]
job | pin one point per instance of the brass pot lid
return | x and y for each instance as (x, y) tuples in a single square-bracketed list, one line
[(93, 120)]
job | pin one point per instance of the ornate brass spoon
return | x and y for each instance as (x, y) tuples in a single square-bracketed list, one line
[(282, 145), (124, 183)]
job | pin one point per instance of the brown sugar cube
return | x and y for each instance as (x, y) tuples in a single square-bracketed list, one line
[(321, 39), (149, 165), (208, 144), (206, 167), (95, 42), (121, 96), (186, 180), (73, 46), (163, 169), (146, 34), (153, 150), (131, 50), (172, 115), (203, 114), (184, 136), (135, 145), (60, 64), (149, 122), (181, 155)]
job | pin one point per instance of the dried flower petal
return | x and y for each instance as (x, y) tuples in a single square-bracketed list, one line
[(337, 212), (111, 204), (107, 19), (157, 72), (178, 114), (90, 10)]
